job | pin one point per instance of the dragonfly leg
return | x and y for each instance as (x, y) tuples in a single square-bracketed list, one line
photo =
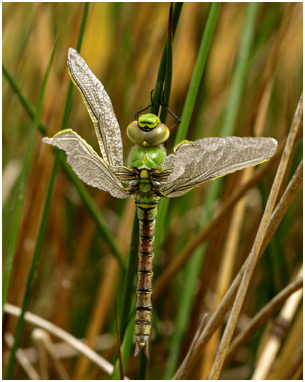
[(145, 108), (174, 115)]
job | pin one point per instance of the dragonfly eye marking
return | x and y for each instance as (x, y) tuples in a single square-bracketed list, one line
[(147, 122)]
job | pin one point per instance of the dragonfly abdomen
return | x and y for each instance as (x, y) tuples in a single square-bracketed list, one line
[(147, 214)]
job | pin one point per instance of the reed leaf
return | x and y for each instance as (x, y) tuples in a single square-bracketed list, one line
[(15, 227), (187, 293), (31, 276)]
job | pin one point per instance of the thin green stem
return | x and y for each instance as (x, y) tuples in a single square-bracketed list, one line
[(27, 105), (129, 277), (132, 258), (31, 277), (157, 95), (15, 227), (198, 72), (169, 66), (8, 265), (190, 100), (194, 266), (242, 70)]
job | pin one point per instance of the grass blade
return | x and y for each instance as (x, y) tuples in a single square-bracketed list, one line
[(157, 95), (31, 276), (169, 66), (193, 267), (22, 187), (190, 101), (27, 105), (242, 68), (16, 221), (129, 277)]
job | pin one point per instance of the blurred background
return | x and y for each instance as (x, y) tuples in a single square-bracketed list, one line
[(78, 278)]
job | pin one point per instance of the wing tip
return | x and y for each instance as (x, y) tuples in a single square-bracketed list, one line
[(72, 51), (47, 140), (72, 55), (273, 146)]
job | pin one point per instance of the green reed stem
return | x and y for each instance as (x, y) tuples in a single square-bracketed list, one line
[(27, 105), (16, 222), (132, 258), (31, 277), (159, 85), (169, 66), (186, 300), (242, 70), (127, 307), (8, 265), (190, 100)]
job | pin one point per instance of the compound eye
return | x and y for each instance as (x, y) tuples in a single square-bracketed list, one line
[(135, 134), (158, 135)]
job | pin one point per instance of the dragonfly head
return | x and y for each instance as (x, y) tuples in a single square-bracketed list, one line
[(148, 131)]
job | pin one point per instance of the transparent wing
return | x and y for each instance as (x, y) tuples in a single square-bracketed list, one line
[(209, 158), (86, 164), (99, 107)]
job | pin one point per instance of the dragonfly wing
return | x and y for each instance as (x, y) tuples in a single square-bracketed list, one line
[(205, 159), (86, 164), (99, 107)]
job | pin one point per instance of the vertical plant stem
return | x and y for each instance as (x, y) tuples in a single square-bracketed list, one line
[(31, 277), (169, 66), (190, 101), (25, 102), (193, 268), (241, 72), (118, 340), (8, 265), (132, 258), (192, 93), (16, 221), (129, 277), (159, 85)]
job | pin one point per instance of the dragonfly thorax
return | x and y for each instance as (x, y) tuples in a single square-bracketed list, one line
[(147, 131)]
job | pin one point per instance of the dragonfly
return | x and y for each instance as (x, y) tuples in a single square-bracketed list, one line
[(150, 174)]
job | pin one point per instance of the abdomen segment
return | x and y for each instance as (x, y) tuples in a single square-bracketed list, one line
[(147, 215)]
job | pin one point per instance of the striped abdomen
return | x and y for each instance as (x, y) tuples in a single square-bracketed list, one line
[(147, 216)]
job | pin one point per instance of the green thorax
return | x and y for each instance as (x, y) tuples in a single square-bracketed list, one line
[(146, 157), (146, 160), (148, 133)]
